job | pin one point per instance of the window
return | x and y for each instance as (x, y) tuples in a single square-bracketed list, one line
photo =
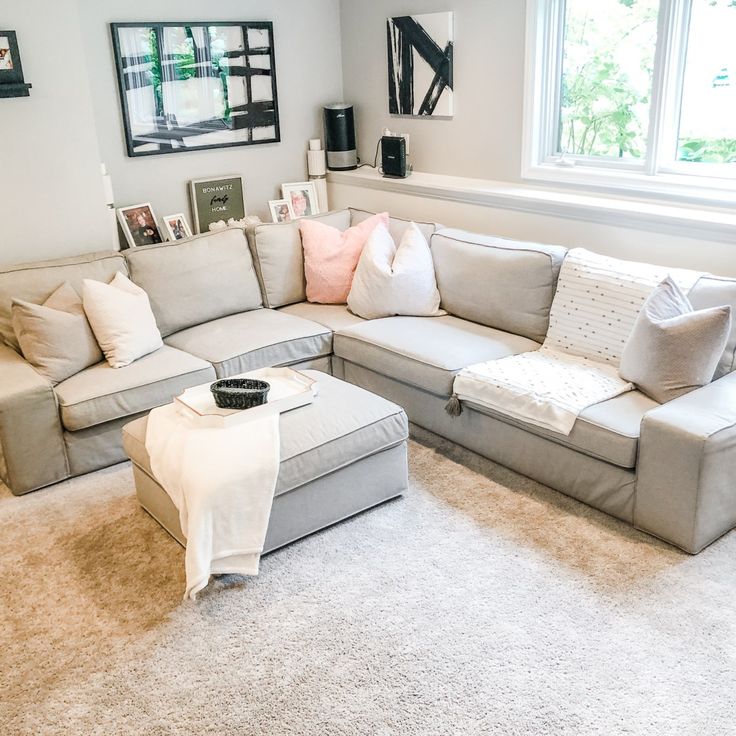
[(639, 94)]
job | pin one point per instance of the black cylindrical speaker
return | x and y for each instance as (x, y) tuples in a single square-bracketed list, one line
[(340, 137)]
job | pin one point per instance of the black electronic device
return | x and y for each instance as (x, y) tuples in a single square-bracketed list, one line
[(342, 154), (393, 156)]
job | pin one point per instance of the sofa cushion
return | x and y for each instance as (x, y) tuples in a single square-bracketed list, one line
[(315, 442), (279, 258), (100, 393), (496, 282), (608, 431), (396, 225), (335, 316), (35, 282), (255, 339), (425, 351), (717, 291), (207, 277)]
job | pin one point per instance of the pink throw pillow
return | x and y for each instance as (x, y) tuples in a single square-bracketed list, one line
[(330, 257)]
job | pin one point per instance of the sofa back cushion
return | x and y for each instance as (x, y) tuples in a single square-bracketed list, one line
[(35, 282), (396, 225), (279, 258), (195, 281), (500, 283), (716, 291)]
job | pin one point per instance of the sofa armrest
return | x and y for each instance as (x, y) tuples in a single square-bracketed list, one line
[(686, 473), (32, 451)]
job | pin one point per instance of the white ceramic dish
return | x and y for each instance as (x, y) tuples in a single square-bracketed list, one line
[(289, 389)]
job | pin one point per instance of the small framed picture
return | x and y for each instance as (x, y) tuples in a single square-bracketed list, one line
[(217, 201), (302, 196), (177, 227), (281, 210), (12, 83), (139, 225)]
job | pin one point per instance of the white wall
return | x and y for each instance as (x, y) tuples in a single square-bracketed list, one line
[(51, 196), (483, 139), (308, 75)]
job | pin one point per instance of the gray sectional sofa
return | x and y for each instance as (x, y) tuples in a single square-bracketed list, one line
[(232, 301)]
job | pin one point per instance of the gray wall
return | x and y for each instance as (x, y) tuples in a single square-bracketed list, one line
[(307, 46), (51, 196), (483, 139)]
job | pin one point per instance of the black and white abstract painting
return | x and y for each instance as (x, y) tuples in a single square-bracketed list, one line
[(194, 86), (420, 64)]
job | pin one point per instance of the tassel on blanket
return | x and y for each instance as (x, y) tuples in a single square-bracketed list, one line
[(453, 407)]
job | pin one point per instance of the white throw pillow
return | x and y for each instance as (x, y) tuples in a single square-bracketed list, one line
[(121, 318), (392, 281)]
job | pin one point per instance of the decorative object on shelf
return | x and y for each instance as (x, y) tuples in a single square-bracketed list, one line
[(420, 49), (139, 225), (177, 227), (317, 170), (11, 71), (240, 393), (281, 210), (242, 223), (215, 200), (186, 86), (303, 198)]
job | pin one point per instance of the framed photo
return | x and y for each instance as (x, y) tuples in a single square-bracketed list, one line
[(188, 86), (11, 71), (176, 227), (281, 210), (302, 196), (215, 200), (139, 225)]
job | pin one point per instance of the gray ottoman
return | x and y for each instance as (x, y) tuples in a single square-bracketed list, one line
[(340, 455)]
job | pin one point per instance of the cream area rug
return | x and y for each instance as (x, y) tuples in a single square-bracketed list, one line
[(480, 603)]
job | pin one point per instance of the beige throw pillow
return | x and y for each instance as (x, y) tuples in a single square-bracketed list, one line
[(673, 349), (55, 337), (121, 318)]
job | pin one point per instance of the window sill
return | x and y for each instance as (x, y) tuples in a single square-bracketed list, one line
[(712, 223)]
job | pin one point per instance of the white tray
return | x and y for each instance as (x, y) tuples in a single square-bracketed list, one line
[(289, 390)]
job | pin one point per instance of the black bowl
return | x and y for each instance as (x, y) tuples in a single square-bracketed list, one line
[(240, 393)]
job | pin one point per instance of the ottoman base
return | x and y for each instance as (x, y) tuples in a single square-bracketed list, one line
[(307, 508)]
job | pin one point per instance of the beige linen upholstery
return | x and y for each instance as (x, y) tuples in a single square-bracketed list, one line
[(201, 279), (35, 282), (30, 432), (335, 316), (279, 259), (425, 351), (100, 393), (717, 291), (500, 283), (255, 339), (396, 225), (685, 487)]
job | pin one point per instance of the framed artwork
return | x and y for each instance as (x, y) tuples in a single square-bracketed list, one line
[(176, 227), (420, 49), (139, 225), (216, 200), (11, 71), (188, 86), (302, 196), (281, 210)]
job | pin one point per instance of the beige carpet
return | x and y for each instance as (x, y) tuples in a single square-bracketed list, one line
[(479, 603)]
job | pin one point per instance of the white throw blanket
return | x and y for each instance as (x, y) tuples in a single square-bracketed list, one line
[(547, 388), (222, 480)]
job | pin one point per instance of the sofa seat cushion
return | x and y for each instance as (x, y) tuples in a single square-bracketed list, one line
[(335, 316), (607, 431), (426, 352), (255, 339), (344, 424), (100, 393)]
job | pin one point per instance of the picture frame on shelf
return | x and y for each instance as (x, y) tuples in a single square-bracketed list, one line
[(281, 210), (188, 86), (216, 200), (302, 195), (139, 225), (176, 227), (12, 83)]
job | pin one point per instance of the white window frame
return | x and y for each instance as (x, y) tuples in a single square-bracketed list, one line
[(706, 184)]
